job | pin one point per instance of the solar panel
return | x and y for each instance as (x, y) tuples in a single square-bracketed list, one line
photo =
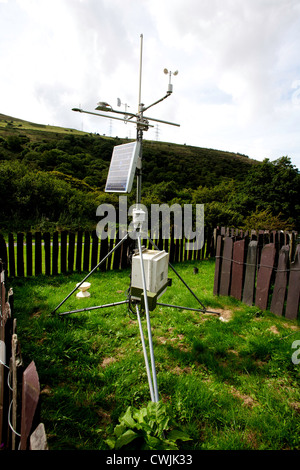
[(122, 168)]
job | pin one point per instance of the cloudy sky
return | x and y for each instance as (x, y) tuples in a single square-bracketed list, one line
[(238, 87)]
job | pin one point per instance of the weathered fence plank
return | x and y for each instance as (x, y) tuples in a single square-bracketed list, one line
[(218, 264), (95, 245), (30, 399), (55, 250), (251, 263), (86, 252), (226, 266), (3, 250), (2, 362), (47, 249), (279, 292), (11, 255), (79, 251), (292, 303), (14, 384), (117, 253), (71, 251), (264, 275), (38, 254), (20, 254), (29, 254), (238, 269), (38, 439), (103, 252), (10, 367), (63, 251)]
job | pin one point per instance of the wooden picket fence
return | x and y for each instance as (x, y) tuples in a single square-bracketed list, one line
[(20, 428), (261, 269), (65, 252)]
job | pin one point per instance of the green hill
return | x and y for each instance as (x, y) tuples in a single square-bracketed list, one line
[(55, 177), (184, 165)]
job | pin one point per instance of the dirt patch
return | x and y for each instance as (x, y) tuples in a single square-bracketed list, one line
[(107, 361), (161, 339), (274, 330), (296, 406), (224, 314), (247, 400), (176, 340), (178, 370), (291, 327), (232, 351), (46, 390)]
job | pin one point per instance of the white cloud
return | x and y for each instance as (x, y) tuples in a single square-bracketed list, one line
[(238, 63)]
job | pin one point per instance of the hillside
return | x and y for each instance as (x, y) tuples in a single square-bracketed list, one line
[(184, 165), (52, 177), (12, 126)]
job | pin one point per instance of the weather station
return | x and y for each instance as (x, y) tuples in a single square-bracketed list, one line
[(149, 267)]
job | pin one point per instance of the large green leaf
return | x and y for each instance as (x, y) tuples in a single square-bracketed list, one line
[(126, 438), (178, 435), (127, 419)]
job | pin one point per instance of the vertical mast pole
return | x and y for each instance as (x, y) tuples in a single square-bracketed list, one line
[(140, 132), (140, 81)]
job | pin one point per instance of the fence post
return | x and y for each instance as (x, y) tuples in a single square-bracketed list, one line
[(117, 254), (11, 255), (38, 439), (15, 364), (249, 283), (2, 348), (55, 250), (226, 266), (71, 252), (103, 252), (38, 253), (86, 252), (292, 303), (28, 254), (95, 243), (238, 269), (218, 264), (3, 250), (47, 249), (20, 255), (79, 251), (264, 275), (30, 399), (279, 292), (63, 251)]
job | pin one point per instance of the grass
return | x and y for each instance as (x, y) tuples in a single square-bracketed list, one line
[(230, 384), (8, 125)]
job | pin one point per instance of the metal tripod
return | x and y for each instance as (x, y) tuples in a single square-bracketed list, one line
[(142, 124), (151, 371)]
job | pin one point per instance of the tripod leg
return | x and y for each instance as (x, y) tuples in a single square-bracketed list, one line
[(156, 398), (145, 354), (93, 270)]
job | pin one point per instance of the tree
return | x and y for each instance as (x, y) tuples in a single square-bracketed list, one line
[(273, 187)]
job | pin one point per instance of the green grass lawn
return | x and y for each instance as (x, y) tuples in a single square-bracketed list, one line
[(227, 384)]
